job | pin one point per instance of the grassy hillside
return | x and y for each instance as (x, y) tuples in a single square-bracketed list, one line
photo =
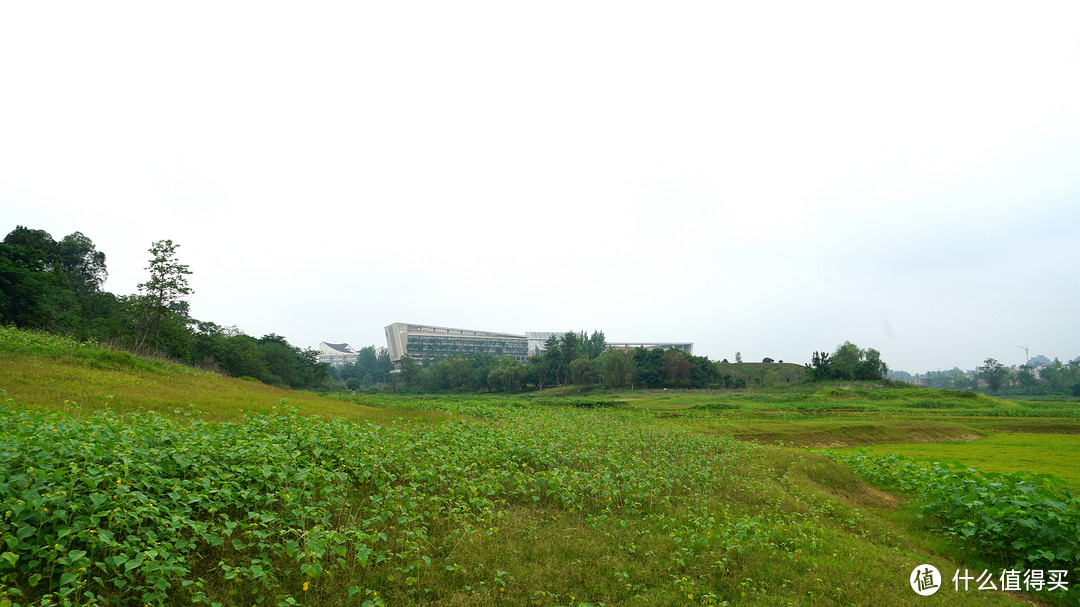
[(45, 371), (593, 499)]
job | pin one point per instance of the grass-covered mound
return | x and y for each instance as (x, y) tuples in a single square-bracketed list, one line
[(45, 371)]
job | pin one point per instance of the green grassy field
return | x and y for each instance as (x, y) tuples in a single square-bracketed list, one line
[(1054, 454), (185, 488)]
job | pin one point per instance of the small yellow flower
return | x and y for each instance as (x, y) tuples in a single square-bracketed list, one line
[(306, 586)]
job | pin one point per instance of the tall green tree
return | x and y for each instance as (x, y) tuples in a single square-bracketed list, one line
[(83, 264), (650, 367), (33, 294), (582, 371), (167, 284), (676, 367), (514, 374), (820, 367), (410, 372), (538, 371), (34, 290), (702, 371), (569, 349), (496, 379), (845, 361), (37, 240), (871, 366), (618, 368), (595, 345), (993, 373)]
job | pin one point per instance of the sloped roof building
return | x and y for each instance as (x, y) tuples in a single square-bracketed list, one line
[(337, 355)]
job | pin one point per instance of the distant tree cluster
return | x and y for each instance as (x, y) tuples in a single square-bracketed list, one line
[(1052, 377), (847, 362), (57, 287), (1048, 377), (372, 367), (477, 373)]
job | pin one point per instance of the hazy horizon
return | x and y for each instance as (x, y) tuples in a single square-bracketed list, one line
[(772, 178)]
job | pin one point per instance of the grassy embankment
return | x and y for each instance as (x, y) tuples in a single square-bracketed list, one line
[(48, 372), (634, 499)]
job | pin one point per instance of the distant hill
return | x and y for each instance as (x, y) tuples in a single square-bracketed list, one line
[(761, 374)]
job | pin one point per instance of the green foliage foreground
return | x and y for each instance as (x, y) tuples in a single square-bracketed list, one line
[(1020, 520), (543, 505)]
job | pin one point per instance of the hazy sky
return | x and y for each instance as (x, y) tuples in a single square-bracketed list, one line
[(766, 177)]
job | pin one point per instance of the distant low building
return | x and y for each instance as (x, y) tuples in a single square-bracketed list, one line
[(337, 355)]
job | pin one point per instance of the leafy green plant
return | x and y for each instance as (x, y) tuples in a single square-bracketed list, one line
[(1016, 519)]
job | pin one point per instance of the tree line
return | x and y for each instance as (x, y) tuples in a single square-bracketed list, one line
[(585, 360), (1045, 379), (56, 286)]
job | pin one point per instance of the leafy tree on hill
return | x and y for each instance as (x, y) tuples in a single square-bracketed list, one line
[(34, 290), (157, 296), (33, 295), (34, 240), (83, 264), (848, 362), (58, 287), (872, 367), (820, 367)]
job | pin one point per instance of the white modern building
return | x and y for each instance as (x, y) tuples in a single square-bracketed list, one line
[(337, 355)]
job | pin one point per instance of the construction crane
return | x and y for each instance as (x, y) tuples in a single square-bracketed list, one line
[(1027, 358)]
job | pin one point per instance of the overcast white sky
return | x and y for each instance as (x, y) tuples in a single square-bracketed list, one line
[(766, 177)]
